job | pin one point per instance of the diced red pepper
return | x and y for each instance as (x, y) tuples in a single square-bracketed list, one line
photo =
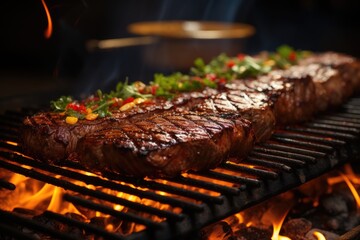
[(241, 56), (211, 76), (77, 107), (128, 100), (116, 102), (292, 56), (153, 89), (230, 63), (222, 81)]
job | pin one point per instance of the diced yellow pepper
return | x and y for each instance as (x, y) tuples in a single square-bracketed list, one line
[(140, 86), (269, 63), (88, 110), (91, 116), (127, 106), (139, 100), (71, 120)]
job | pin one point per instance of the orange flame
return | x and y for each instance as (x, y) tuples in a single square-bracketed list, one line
[(319, 235), (352, 189), (277, 214), (277, 227), (49, 29)]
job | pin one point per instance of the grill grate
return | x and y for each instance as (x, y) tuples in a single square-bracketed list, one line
[(292, 156)]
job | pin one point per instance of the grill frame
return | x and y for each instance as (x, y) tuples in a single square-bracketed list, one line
[(293, 156)]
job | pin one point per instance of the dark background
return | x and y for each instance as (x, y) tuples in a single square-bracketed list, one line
[(32, 66)]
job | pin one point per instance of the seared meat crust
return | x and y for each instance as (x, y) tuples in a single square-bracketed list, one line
[(166, 144), (196, 130)]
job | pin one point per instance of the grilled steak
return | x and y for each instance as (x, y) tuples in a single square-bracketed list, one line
[(166, 144), (254, 106), (290, 92), (330, 87), (48, 137), (346, 69), (196, 130)]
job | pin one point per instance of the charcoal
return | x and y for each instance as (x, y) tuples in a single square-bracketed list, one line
[(253, 233), (297, 228), (334, 204), (327, 235), (49, 222), (99, 221), (25, 212), (352, 221), (333, 223), (72, 229), (117, 225), (219, 230)]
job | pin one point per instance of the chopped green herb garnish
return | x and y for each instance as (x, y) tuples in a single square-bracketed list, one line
[(217, 72)]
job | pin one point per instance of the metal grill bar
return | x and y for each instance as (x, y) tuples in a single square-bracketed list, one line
[(94, 193), (338, 122), (350, 104), (288, 154), (36, 226), (302, 143), (254, 171), (108, 210), (164, 187), (88, 227), (292, 156), (229, 178), (323, 133), (269, 164), (8, 146), (348, 115), (312, 138), (352, 111), (208, 185), (288, 161), (95, 180), (333, 127), (7, 185), (341, 119), (302, 151)]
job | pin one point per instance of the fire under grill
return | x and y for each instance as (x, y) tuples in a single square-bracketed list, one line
[(293, 156)]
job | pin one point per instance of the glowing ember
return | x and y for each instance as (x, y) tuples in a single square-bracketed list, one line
[(49, 29), (319, 236)]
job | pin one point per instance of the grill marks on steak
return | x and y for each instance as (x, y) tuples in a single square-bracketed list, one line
[(167, 144), (253, 106), (342, 72), (46, 135), (290, 93), (195, 130)]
